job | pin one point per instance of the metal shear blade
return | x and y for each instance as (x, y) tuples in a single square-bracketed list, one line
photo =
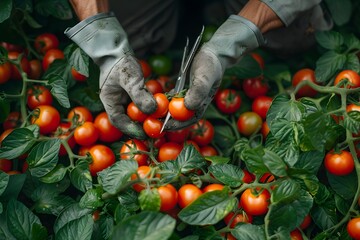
[(185, 64)]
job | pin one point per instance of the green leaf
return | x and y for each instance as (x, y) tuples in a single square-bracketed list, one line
[(43, 157), (13, 188), (253, 159), (345, 186), (21, 221), (104, 226), (277, 72), (328, 64), (80, 176), (31, 21), (71, 213), (287, 150), (18, 142), (352, 42), (4, 109), (228, 174), (80, 229), (274, 163), (217, 159), (4, 180), (56, 175), (57, 8), (209, 208), (92, 199), (248, 232), (352, 62), (115, 176), (329, 39), (283, 107), (352, 121), (129, 200), (4, 231), (80, 61), (342, 205), (310, 161), (149, 199), (6, 8), (247, 67), (340, 11), (189, 159), (286, 191), (145, 226), (59, 90), (87, 97), (324, 215)]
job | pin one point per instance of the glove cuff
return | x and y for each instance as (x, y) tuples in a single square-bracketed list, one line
[(236, 37)]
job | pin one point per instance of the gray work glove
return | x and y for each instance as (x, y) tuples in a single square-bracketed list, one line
[(105, 41), (236, 37)]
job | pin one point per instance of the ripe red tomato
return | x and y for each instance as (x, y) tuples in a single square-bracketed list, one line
[(187, 194), (160, 64), (353, 228), (154, 86), (255, 203), (296, 235), (102, 157), (38, 95), (248, 177), (25, 65), (169, 151), (131, 150), (178, 109), (145, 67), (108, 133), (152, 127), (303, 75), (162, 105), (135, 113), (86, 134), (339, 163), (254, 87), (228, 101), (80, 114), (13, 120), (213, 187), (178, 136), (96, 215), (5, 165), (35, 69), (168, 197), (352, 77), (83, 150), (77, 76), (202, 132), (249, 123), (10, 47), (50, 56), (239, 218), (47, 118), (265, 129), (261, 105), (208, 151), (143, 172), (259, 59), (5, 72), (306, 222), (45, 42)]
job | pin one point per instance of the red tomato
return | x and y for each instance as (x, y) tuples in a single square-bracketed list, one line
[(108, 133), (249, 123), (213, 187), (169, 151), (154, 86), (350, 75), (202, 132), (254, 87), (96, 215), (168, 197), (178, 136), (86, 134), (45, 42), (35, 69), (152, 127), (5, 72), (77, 75), (83, 150), (80, 114), (135, 113), (5, 134), (102, 157), (50, 56), (145, 67), (261, 105), (296, 235), (131, 150), (353, 228), (239, 218), (162, 105), (13, 120), (25, 65), (306, 222), (38, 95), (208, 151), (303, 75), (178, 109), (265, 129), (187, 194), (47, 118), (248, 177), (255, 203), (143, 172), (228, 101), (339, 163), (5, 165), (10, 47)]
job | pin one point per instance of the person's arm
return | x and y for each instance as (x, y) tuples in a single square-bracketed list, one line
[(86, 9)]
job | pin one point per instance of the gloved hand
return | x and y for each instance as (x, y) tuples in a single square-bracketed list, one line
[(104, 40), (233, 39)]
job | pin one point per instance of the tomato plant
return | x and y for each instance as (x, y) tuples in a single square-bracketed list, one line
[(228, 101), (101, 158), (255, 203), (341, 163), (249, 123), (254, 87), (202, 132), (5, 72), (169, 151), (86, 134), (349, 77), (135, 149), (107, 131), (47, 118), (45, 42), (152, 127), (302, 75), (261, 105), (178, 109), (168, 197), (38, 95), (50, 56), (187, 194)]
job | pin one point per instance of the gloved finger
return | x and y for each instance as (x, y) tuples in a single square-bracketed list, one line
[(206, 73), (113, 99), (132, 81)]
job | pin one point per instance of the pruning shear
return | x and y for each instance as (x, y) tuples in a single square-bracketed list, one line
[(185, 63)]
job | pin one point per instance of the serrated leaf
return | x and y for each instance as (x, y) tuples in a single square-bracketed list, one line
[(6, 8), (253, 159), (352, 62), (286, 191), (80, 61), (328, 64), (345, 186), (149, 199), (352, 121), (228, 174), (145, 226), (56, 175), (274, 163), (91, 199), (4, 179), (217, 159), (53, 204), (209, 208), (80, 229), (329, 39), (59, 90), (248, 232), (285, 108), (310, 161), (189, 159), (43, 158), (129, 200), (324, 215), (80, 176)]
